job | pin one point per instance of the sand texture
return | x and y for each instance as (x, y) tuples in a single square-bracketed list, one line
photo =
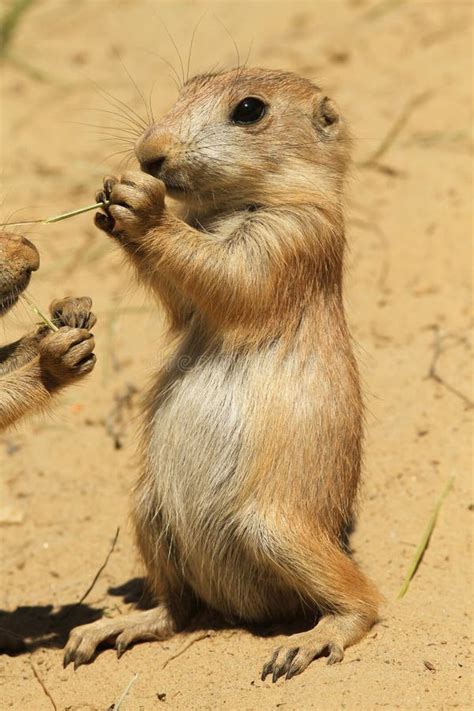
[(401, 70)]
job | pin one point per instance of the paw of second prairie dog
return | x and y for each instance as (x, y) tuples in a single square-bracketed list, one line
[(66, 355), (136, 204), (74, 312)]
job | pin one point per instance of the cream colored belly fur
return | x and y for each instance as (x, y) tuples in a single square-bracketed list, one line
[(199, 455)]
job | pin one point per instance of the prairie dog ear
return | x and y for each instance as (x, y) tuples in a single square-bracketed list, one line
[(326, 117)]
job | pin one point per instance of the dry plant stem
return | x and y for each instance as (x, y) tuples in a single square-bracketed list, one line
[(116, 707), (57, 218), (42, 684), (100, 571), (116, 421), (39, 313), (395, 130), (433, 374), (423, 545), (195, 638)]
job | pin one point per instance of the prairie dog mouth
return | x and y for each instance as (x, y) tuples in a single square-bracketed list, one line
[(10, 298), (7, 302), (175, 188)]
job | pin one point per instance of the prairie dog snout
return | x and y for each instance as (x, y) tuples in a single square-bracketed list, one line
[(18, 259)]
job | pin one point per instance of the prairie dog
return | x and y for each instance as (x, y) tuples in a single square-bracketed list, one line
[(253, 429), (40, 364)]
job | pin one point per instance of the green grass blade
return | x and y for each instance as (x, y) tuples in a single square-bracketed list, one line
[(39, 313), (73, 213), (56, 218), (423, 545), (10, 20)]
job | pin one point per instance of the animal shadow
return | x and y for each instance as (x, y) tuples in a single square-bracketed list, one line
[(30, 627)]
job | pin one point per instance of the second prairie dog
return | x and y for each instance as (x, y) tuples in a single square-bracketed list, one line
[(34, 368), (253, 429), (40, 364)]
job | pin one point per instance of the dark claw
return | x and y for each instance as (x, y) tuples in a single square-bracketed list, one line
[(276, 674), (121, 647), (292, 671), (108, 185), (285, 669), (67, 659), (81, 658), (336, 655), (104, 222), (100, 196), (267, 668)]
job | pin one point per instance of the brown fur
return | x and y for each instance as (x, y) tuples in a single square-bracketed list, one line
[(253, 429), (40, 364)]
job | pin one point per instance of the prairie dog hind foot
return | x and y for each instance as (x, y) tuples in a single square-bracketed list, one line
[(333, 634), (155, 624)]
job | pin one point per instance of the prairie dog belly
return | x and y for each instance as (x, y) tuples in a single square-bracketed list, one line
[(195, 442), (196, 448)]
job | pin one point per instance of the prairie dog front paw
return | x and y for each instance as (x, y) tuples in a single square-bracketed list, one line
[(66, 355), (74, 312), (136, 202)]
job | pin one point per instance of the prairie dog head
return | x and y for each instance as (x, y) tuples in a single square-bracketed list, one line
[(248, 136), (18, 258)]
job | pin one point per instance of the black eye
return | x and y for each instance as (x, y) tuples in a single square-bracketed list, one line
[(249, 110)]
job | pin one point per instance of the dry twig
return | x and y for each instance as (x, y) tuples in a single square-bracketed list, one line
[(373, 161), (42, 684), (97, 575), (116, 706), (115, 423), (189, 643), (440, 347)]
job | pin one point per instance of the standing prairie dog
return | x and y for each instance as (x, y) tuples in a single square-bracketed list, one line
[(40, 364), (253, 429)]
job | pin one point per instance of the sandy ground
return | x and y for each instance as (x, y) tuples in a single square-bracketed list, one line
[(408, 294)]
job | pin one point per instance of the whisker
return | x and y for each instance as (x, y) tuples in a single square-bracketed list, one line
[(248, 54), (116, 153), (176, 50), (117, 142), (150, 104), (118, 103), (122, 129), (123, 117), (191, 44), (175, 77), (134, 84), (127, 160), (231, 38)]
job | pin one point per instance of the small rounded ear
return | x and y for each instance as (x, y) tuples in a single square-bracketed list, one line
[(326, 117)]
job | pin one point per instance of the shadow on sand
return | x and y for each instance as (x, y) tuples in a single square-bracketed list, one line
[(28, 628)]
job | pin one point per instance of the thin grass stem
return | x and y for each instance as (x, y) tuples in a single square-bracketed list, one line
[(39, 313), (423, 544), (56, 218)]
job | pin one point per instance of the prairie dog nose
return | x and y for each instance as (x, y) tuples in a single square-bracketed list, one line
[(20, 250), (156, 147)]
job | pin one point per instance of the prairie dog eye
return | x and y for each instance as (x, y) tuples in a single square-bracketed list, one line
[(249, 110)]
